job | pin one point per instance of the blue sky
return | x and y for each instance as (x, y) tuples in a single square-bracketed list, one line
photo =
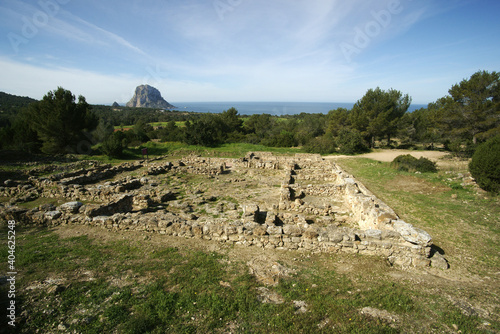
[(245, 50)]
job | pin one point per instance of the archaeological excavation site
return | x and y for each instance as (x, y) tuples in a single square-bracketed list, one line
[(297, 203)]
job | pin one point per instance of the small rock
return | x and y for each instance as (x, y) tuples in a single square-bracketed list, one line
[(299, 202), (267, 296), (225, 284), (438, 261), (250, 210), (267, 271), (324, 323), (55, 289), (53, 214), (300, 306), (379, 314)]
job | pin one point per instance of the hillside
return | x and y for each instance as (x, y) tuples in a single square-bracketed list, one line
[(12, 103)]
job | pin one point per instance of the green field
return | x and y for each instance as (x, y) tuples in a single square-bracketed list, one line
[(178, 149)]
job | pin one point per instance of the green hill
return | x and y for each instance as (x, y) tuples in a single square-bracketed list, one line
[(12, 103)]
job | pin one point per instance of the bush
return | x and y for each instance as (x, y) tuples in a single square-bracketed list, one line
[(485, 165), (409, 163), (350, 142), (322, 145), (112, 146)]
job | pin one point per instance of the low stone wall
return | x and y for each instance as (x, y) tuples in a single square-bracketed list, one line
[(351, 219), (280, 231)]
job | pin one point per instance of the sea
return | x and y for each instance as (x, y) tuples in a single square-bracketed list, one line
[(273, 108)]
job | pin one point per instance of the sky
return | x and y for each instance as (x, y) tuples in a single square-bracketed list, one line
[(245, 50)]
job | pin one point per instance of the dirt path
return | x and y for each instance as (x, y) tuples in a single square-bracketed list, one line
[(389, 155)]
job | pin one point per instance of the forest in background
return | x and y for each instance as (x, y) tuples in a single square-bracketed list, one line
[(60, 123)]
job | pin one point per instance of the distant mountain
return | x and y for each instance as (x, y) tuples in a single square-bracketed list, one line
[(13, 103), (147, 96), (115, 105)]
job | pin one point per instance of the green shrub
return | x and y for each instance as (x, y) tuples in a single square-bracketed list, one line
[(485, 165), (409, 163), (112, 146), (351, 142), (322, 145)]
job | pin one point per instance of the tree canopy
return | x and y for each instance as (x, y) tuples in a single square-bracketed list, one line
[(377, 113), (472, 109), (61, 123)]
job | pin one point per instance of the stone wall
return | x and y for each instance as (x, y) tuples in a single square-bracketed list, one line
[(320, 208)]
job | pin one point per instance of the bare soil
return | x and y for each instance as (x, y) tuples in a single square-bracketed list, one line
[(389, 155)]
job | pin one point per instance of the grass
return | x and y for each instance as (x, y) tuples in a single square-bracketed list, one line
[(426, 201), (138, 287), (179, 124), (178, 149)]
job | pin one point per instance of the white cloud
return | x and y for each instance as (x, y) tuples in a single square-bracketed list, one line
[(27, 80), (255, 50), (100, 35)]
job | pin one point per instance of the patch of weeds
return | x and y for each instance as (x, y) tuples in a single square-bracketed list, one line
[(455, 185), (42, 201), (229, 199), (389, 296), (165, 252)]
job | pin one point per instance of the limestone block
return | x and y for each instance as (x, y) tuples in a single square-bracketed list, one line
[(389, 234), (403, 261), (272, 230), (421, 262), (260, 230), (230, 230), (349, 250), (412, 234), (373, 234), (349, 244), (53, 214), (270, 219), (438, 261), (250, 210), (70, 207), (197, 230), (310, 234), (385, 218), (292, 230), (336, 237)]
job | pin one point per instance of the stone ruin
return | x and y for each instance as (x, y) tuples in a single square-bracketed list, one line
[(302, 202)]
